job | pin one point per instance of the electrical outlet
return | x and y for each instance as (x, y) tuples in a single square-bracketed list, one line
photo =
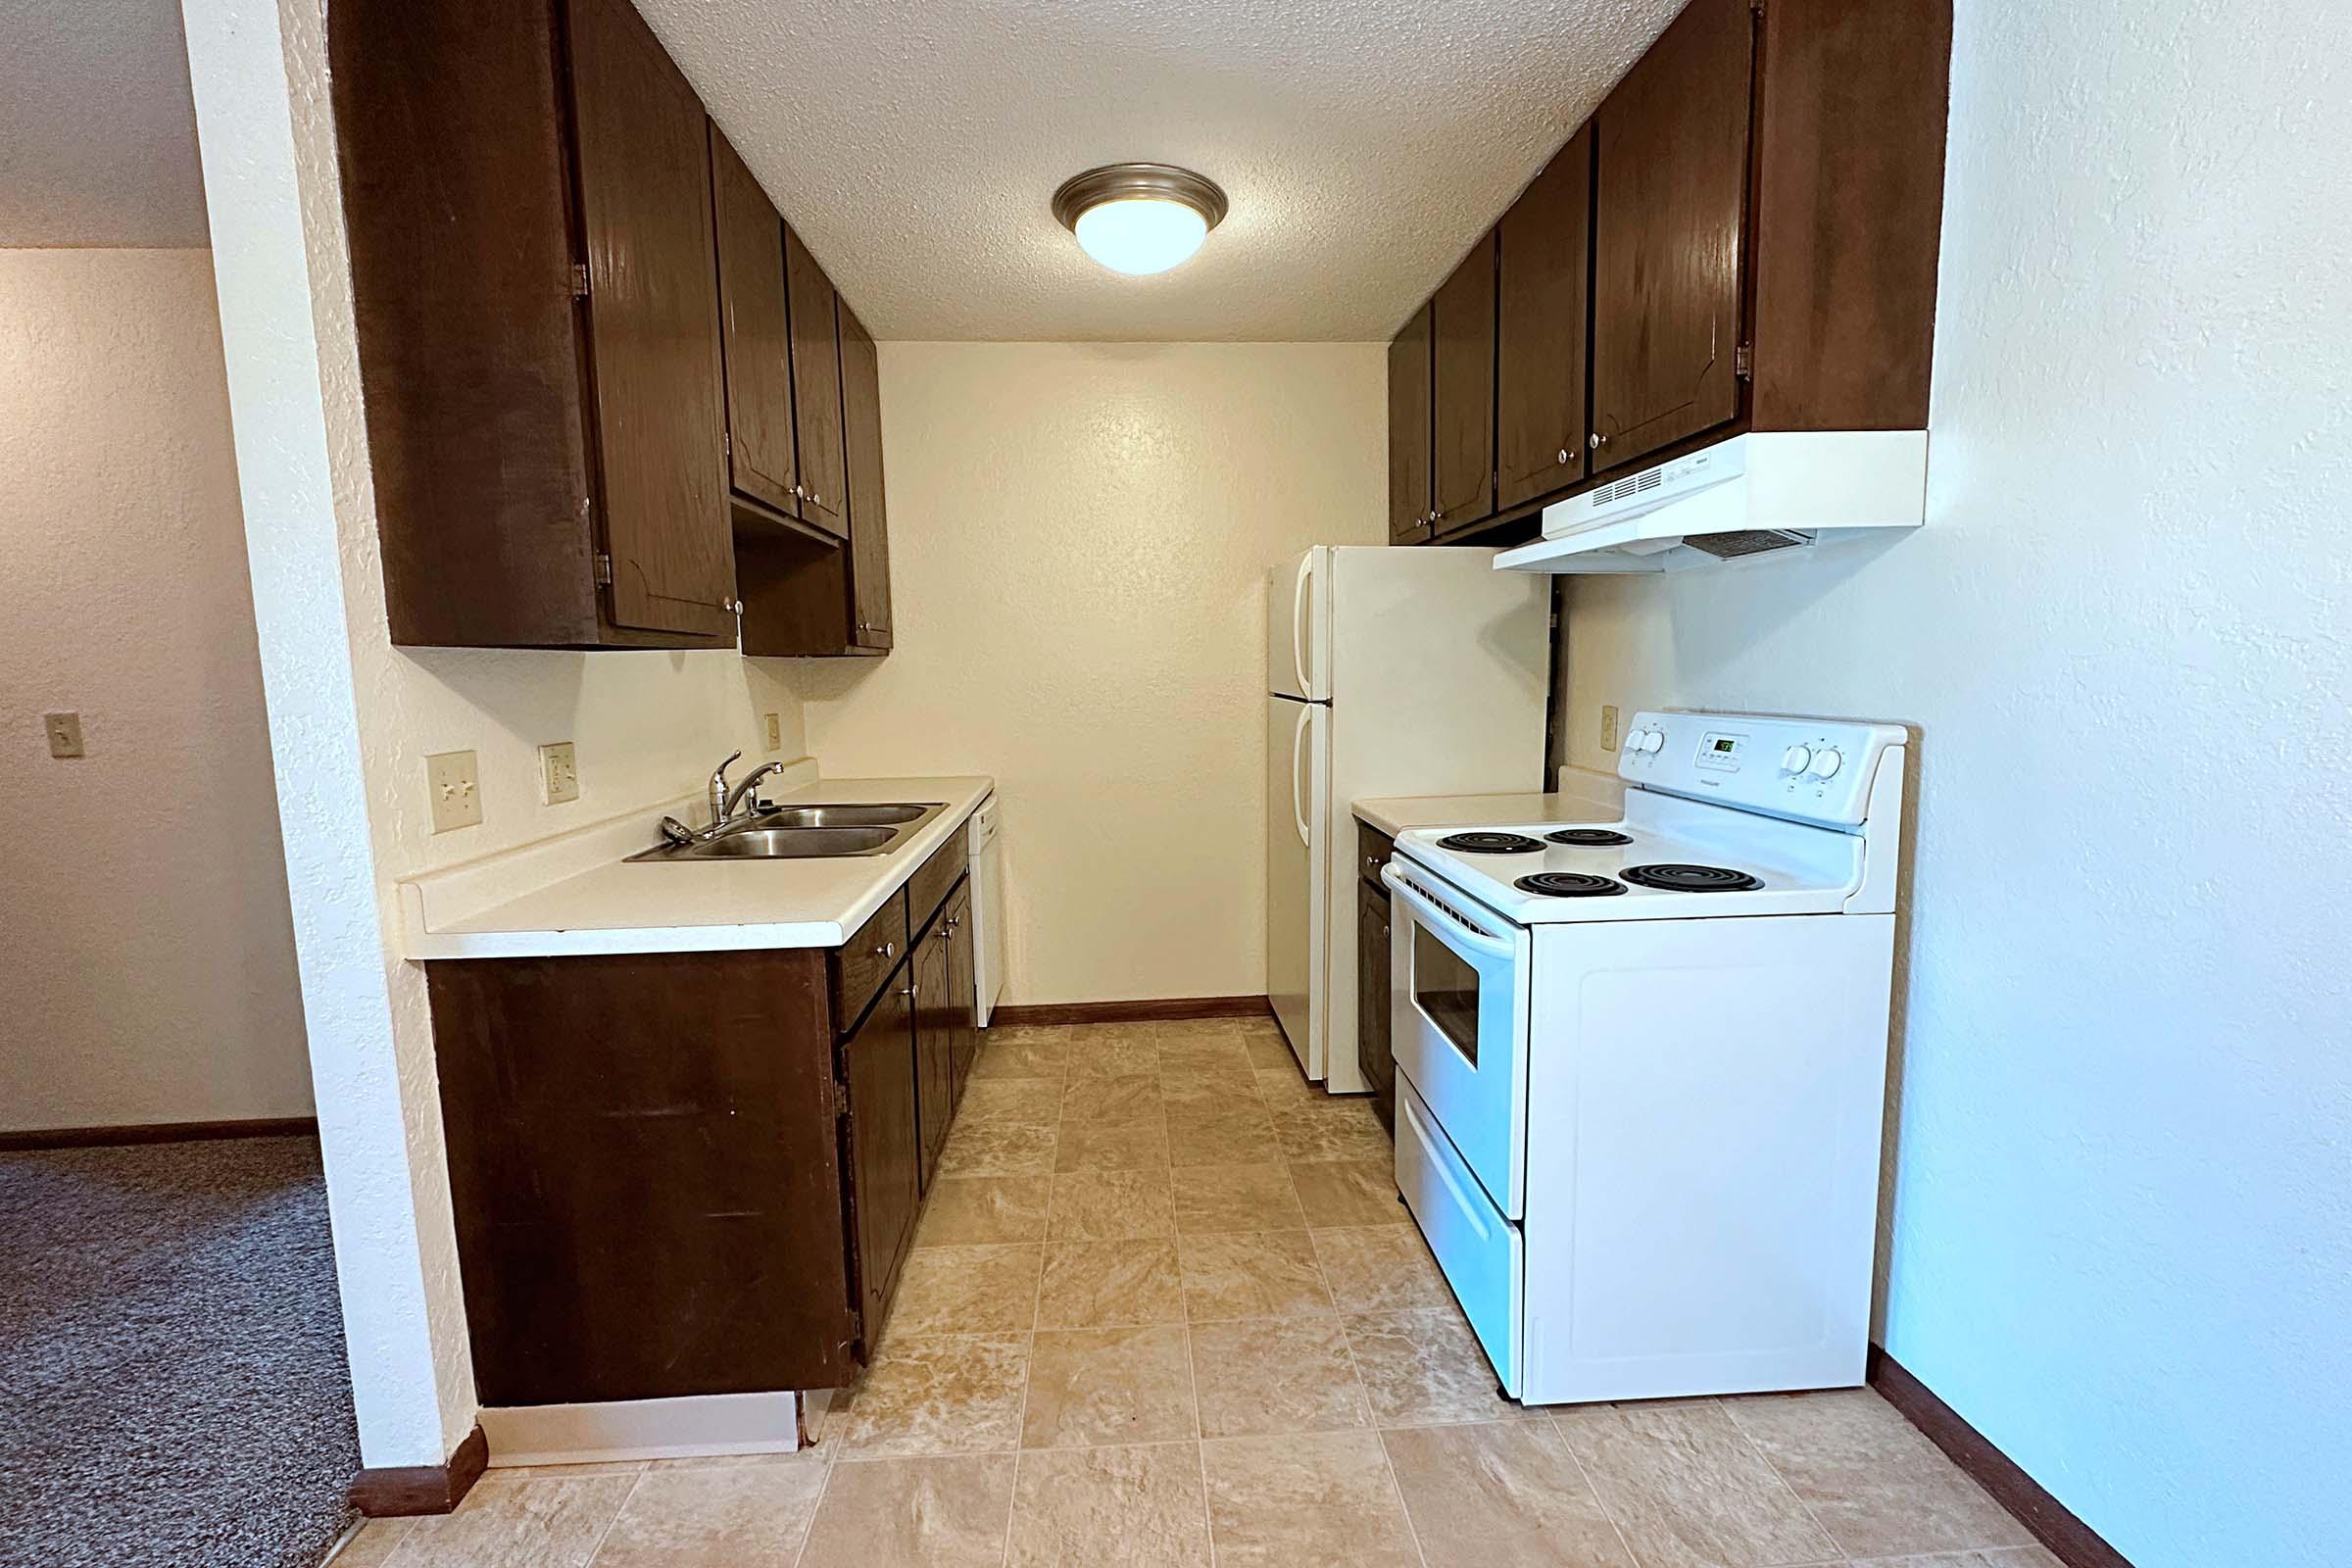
[(65, 734), (775, 731), (456, 784), (1609, 728), (558, 774)]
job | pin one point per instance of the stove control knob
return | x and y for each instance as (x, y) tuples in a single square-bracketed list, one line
[(1649, 742), (1795, 760), (1827, 762)]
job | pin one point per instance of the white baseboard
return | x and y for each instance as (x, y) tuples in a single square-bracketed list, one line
[(643, 1428)]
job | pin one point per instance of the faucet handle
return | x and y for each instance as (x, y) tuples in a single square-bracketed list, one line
[(718, 775)]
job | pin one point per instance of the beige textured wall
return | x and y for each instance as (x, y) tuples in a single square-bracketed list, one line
[(1079, 537), (149, 981)]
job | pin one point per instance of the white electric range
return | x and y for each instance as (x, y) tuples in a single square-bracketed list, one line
[(1642, 1064)]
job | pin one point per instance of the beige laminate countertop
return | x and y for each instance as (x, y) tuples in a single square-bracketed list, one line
[(577, 893), (1583, 796)]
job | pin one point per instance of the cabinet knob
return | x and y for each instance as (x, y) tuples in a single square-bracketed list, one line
[(1564, 454), (910, 992), (816, 500), (888, 950), (1597, 440)]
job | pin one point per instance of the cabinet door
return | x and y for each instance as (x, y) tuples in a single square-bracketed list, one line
[(963, 981), (1462, 327), (816, 390), (643, 156), (934, 1046), (1372, 1046), (1408, 432), (754, 332), (1670, 200), (885, 1148), (869, 513), (1542, 281)]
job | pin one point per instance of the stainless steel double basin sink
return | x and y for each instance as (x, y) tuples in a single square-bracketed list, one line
[(803, 833)]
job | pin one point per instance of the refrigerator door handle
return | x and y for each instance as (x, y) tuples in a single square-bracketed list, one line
[(1299, 622), (1307, 713)]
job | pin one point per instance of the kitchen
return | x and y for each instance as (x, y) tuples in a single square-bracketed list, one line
[(1436, 857)]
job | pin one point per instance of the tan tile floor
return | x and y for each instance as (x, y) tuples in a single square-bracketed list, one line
[(1166, 1310)]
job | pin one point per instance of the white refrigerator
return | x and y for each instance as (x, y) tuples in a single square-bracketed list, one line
[(1389, 671)]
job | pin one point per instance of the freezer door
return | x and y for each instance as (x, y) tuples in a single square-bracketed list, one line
[(1298, 627), (1298, 852)]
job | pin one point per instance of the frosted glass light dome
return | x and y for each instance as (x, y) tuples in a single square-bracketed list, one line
[(1142, 235), (1140, 219)]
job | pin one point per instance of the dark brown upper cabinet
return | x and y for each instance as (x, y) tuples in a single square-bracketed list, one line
[(757, 333), (1544, 294), (1743, 237), (869, 511), (1848, 212), (526, 191), (1463, 406), (1410, 510), (1670, 211), (816, 390)]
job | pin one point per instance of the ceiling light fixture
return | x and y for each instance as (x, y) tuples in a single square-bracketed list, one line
[(1138, 218)]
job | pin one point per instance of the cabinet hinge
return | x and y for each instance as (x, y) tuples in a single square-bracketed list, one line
[(1744, 361), (579, 280), (726, 442), (1757, 6), (604, 570)]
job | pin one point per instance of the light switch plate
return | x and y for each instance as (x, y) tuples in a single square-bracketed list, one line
[(456, 783), (65, 734), (775, 731), (1609, 728), (558, 774)]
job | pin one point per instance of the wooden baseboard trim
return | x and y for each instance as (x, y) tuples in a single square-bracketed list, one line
[(399, 1492), (1167, 1009), (2069, 1540), (161, 1132)]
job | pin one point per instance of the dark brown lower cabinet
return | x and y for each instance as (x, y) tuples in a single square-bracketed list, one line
[(698, 1172), (886, 1156), (934, 1046), (1372, 1044), (963, 982), (946, 1029), (644, 1160)]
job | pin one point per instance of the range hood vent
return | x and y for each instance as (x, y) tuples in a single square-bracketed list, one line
[(1759, 494)]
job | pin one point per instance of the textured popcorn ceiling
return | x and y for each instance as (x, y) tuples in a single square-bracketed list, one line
[(97, 135), (1364, 143), (915, 143)]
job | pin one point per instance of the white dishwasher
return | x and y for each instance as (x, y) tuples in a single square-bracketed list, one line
[(987, 909)]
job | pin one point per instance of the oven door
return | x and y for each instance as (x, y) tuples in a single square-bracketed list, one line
[(1458, 1008)]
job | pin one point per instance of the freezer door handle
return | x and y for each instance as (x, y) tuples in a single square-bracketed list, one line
[(1307, 714), (1299, 622)]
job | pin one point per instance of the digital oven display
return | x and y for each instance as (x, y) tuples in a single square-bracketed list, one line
[(1722, 753)]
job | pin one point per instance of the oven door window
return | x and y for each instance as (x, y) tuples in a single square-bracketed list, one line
[(1447, 989)]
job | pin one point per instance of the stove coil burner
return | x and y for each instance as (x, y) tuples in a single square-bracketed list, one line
[(1690, 878), (1490, 843), (1589, 837), (1569, 885)]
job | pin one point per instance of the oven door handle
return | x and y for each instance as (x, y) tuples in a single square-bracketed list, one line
[(1451, 928)]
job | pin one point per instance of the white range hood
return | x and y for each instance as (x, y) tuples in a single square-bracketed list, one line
[(1752, 495)]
